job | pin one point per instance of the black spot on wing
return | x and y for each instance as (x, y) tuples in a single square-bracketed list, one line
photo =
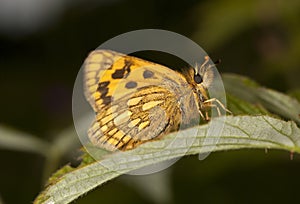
[(103, 90), (124, 71), (106, 100), (103, 84), (148, 74), (118, 74), (131, 85)]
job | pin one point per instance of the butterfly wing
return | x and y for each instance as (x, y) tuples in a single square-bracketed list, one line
[(135, 100), (135, 119)]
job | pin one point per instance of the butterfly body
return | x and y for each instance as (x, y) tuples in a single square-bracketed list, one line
[(136, 101)]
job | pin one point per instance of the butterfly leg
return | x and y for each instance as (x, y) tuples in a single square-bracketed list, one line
[(209, 106), (205, 108), (215, 103), (207, 116), (217, 108), (202, 116)]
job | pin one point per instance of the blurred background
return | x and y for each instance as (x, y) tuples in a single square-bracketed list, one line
[(43, 44)]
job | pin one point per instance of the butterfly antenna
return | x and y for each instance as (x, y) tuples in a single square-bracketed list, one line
[(217, 62)]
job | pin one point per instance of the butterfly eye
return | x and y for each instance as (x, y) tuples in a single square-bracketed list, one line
[(198, 79)]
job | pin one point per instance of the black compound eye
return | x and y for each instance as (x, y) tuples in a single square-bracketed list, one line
[(198, 79)]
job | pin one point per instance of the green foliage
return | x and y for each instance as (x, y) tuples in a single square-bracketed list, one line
[(239, 132), (273, 101), (255, 123), (257, 131)]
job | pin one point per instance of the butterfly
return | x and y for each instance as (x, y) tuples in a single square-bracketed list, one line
[(136, 101)]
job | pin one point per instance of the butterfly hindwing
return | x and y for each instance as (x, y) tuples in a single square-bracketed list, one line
[(135, 119)]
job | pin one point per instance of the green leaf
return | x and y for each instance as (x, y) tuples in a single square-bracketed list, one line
[(295, 93), (238, 132), (274, 101), (19, 141), (240, 107)]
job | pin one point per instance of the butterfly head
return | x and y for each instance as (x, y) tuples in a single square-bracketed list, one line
[(203, 76)]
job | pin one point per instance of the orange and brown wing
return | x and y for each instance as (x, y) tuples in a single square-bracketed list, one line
[(103, 71), (135, 100), (135, 119)]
